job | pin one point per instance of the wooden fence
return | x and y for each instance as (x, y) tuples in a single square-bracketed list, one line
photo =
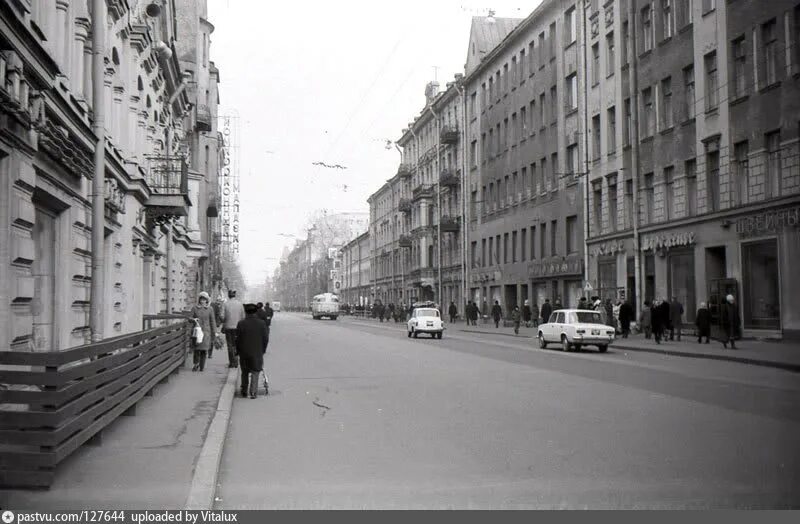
[(51, 403)]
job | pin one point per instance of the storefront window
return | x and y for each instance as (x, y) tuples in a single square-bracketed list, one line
[(574, 291), (761, 299), (607, 279), (682, 282)]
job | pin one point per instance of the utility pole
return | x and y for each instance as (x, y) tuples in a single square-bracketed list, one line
[(99, 180)]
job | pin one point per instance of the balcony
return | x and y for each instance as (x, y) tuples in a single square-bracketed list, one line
[(167, 177), (404, 171), (450, 224), (404, 241), (423, 191), (448, 178), (449, 135), (404, 206), (203, 118)]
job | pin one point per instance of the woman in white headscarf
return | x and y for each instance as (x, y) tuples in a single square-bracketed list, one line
[(203, 316)]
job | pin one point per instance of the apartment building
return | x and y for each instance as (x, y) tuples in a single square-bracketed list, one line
[(356, 280), (524, 162), (694, 166), (47, 164)]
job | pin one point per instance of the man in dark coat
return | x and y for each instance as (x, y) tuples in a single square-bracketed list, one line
[(625, 317), (526, 312), (547, 310), (452, 311), (497, 313), (703, 323), (730, 322), (252, 336), (260, 313), (675, 318), (660, 320), (270, 313)]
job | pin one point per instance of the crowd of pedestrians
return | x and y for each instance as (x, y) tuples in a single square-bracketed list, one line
[(244, 331)]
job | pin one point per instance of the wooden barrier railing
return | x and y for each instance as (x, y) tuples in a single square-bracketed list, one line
[(52, 403)]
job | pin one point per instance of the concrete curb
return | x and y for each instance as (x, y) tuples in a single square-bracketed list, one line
[(204, 480), (729, 358), (494, 333)]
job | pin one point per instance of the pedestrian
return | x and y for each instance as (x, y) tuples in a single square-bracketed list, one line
[(598, 306), (557, 305), (233, 313), (252, 337), (547, 311), (452, 311), (475, 313), (497, 313), (526, 313), (261, 313), (731, 324), (583, 304), (625, 317), (270, 314), (609, 310), (203, 316), (535, 315), (660, 320), (485, 310), (675, 318), (515, 318), (217, 306), (646, 320), (703, 323)]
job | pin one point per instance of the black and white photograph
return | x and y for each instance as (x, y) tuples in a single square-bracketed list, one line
[(416, 255)]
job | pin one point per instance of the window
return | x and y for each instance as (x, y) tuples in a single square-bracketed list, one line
[(514, 130), (523, 179), (627, 128), (513, 246), (762, 304), (506, 84), (610, 57), (684, 14), (667, 14), (498, 86), (712, 177), (629, 202), (612, 203), (741, 173), (492, 260), (491, 143), (505, 133), (554, 104), (506, 260), (612, 129), (769, 35), (523, 248), (570, 31), (572, 92), (552, 41), (669, 193), (483, 252), (597, 206), (523, 122), (542, 58), (572, 159), (533, 242), (595, 64), (543, 169), (522, 74), (691, 187), (596, 137), (712, 85), (483, 96), (626, 35), (473, 152), (491, 89), (553, 171), (666, 103), (542, 116), (513, 71), (708, 5), (647, 29), (648, 198), (773, 142), (534, 179), (554, 237), (572, 235), (739, 67), (648, 114), (689, 99)]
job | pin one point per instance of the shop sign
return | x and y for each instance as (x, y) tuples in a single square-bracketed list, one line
[(545, 268), (768, 222), (666, 241), (608, 248)]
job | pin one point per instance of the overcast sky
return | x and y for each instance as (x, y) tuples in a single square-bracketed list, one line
[(327, 82)]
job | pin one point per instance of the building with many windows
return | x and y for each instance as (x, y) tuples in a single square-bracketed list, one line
[(525, 122), (694, 171), (155, 228), (356, 288)]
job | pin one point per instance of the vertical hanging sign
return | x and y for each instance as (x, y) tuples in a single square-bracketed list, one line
[(229, 188)]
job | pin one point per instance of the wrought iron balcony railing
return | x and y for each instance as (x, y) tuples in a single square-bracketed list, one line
[(404, 206), (449, 135), (404, 241), (203, 118), (450, 224), (168, 180), (448, 178), (404, 171)]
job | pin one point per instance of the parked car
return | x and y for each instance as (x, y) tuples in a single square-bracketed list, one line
[(425, 320), (576, 328)]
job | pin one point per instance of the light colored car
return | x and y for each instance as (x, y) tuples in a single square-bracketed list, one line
[(576, 328), (425, 320)]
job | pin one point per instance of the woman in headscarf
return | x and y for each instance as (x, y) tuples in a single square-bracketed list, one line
[(203, 316)]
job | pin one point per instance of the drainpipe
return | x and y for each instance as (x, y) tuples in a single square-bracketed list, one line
[(587, 170), (635, 161), (402, 253), (464, 188), (438, 207), (98, 182), (416, 167), (170, 231)]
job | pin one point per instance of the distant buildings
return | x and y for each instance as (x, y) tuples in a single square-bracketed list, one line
[(161, 161)]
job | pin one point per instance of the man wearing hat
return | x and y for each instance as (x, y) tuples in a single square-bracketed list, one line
[(252, 337)]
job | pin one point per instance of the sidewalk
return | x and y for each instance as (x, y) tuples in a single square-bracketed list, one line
[(147, 460), (782, 355)]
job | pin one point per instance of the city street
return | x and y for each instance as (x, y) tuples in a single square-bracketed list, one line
[(359, 416)]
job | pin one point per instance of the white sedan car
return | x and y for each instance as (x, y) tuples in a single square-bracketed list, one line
[(425, 320), (576, 328)]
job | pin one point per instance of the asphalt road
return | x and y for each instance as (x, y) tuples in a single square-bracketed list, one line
[(362, 417)]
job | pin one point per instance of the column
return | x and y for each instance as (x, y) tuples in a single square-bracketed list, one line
[(133, 128), (119, 124), (61, 46), (77, 76), (108, 101), (87, 70)]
